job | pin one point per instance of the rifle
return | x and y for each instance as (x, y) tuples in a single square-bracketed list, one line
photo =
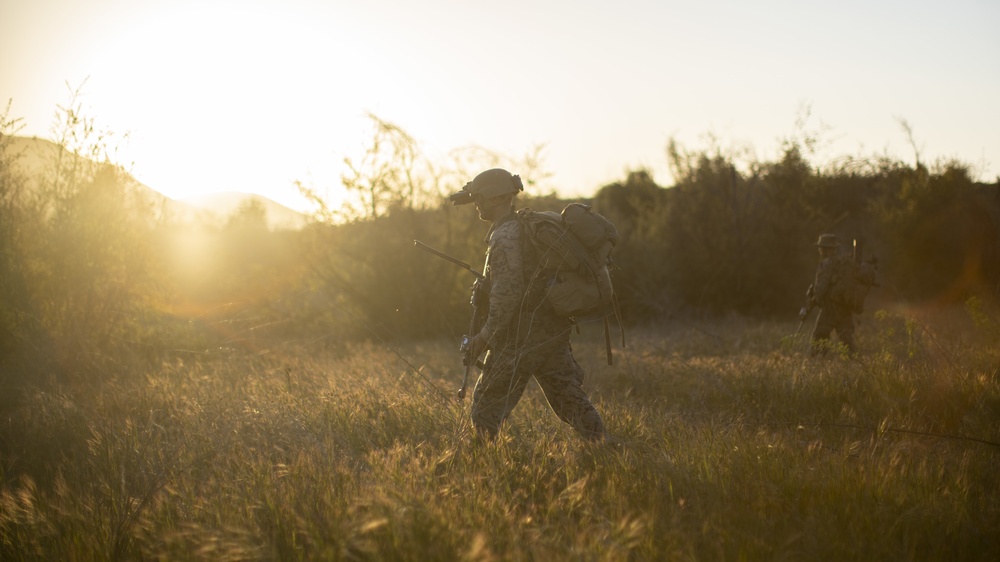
[(479, 302), (803, 313), (805, 310), (443, 255)]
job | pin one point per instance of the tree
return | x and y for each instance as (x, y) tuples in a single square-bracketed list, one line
[(84, 252), (18, 326), (391, 173)]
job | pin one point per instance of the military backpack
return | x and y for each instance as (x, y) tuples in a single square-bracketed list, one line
[(574, 254), (853, 279)]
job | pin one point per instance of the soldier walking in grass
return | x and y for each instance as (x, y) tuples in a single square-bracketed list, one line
[(828, 292), (521, 335)]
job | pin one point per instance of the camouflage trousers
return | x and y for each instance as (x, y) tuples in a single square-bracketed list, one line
[(560, 377), (833, 318)]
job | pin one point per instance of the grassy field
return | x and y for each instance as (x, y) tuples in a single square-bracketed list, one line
[(733, 445)]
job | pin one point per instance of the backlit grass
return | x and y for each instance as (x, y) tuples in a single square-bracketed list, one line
[(731, 444)]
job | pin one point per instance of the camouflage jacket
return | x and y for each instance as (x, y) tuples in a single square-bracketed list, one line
[(823, 284), (509, 270)]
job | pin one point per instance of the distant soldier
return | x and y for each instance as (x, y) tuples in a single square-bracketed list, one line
[(836, 312), (522, 335)]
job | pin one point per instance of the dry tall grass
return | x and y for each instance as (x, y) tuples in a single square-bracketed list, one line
[(733, 445)]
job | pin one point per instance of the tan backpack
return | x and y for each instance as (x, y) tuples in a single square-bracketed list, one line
[(574, 253), (854, 278)]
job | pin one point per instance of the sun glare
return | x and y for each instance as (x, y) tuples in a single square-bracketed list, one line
[(199, 85), (191, 255)]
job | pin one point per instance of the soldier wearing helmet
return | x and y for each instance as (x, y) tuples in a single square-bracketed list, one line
[(834, 315), (521, 336)]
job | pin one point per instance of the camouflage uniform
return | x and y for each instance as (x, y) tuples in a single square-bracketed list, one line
[(526, 339), (833, 315)]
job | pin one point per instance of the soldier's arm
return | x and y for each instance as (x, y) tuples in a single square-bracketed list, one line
[(506, 278), (824, 280)]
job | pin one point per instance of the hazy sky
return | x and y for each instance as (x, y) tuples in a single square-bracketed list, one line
[(250, 95)]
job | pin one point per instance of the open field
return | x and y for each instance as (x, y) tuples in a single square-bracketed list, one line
[(732, 445)]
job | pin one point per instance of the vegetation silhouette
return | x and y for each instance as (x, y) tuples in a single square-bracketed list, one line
[(90, 268), (231, 391)]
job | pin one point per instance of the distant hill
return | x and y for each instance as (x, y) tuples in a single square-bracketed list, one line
[(223, 204), (34, 154)]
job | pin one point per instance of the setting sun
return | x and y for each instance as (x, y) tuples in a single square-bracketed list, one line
[(236, 96)]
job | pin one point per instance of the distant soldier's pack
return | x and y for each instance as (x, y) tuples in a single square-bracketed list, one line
[(853, 279)]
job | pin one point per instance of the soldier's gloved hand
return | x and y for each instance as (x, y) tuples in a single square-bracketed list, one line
[(480, 292)]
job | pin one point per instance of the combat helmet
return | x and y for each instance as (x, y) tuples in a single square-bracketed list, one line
[(488, 184), (827, 241)]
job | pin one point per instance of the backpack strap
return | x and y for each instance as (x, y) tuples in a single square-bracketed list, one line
[(607, 328), (607, 340), (533, 289), (618, 317)]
